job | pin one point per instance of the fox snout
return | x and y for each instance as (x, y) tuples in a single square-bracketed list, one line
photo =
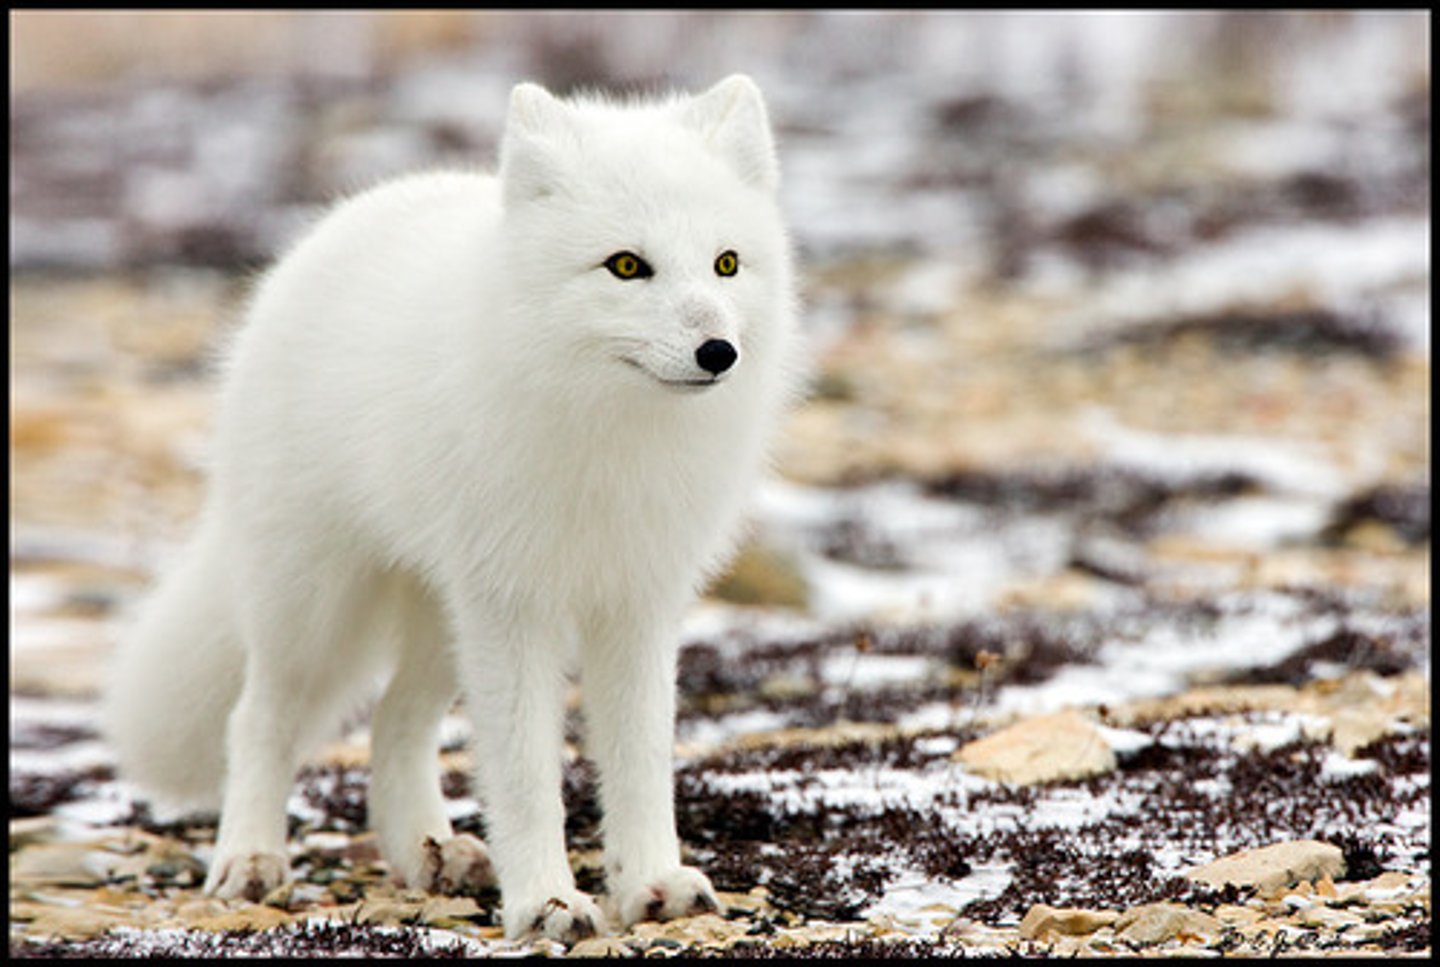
[(715, 356)]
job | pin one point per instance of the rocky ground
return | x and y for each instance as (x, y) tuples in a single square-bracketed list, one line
[(1089, 613)]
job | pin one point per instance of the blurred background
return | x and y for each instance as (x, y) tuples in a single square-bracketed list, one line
[(1121, 337), (1101, 304)]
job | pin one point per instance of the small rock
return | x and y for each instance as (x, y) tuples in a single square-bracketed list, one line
[(1236, 916), (747, 904), (75, 923), (1353, 729), (250, 917), (704, 928), (30, 830), (1043, 921), (345, 889), (762, 575), (389, 913), (1327, 918), (601, 947), (200, 908), (1155, 923), (1300, 897), (1041, 749), (281, 897), (63, 864), (1273, 868), (449, 911), (1389, 885)]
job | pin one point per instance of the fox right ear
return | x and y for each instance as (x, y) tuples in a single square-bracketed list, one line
[(535, 129), (534, 110), (731, 118)]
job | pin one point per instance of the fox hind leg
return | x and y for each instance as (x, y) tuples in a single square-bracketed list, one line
[(407, 807), (305, 663)]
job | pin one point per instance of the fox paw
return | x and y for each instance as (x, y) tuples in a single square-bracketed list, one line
[(682, 892), (246, 876), (569, 918), (459, 865)]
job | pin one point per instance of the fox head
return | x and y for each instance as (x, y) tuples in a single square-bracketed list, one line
[(643, 241)]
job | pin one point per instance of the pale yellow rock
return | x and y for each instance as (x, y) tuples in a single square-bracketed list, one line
[(1042, 921), (1327, 918), (75, 923), (62, 864), (250, 916), (1154, 923), (200, 908), (442, 911), (1274, 867), (1042, 749), (1353, 729), (390, 913), (750, 903), (1209, 700), (1232, 915), (841, 733), (1387, 884), (708, 928), (601, 947), (31, 830), (282, 897)]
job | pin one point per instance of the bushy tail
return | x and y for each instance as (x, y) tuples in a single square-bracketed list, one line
[(173, 682)]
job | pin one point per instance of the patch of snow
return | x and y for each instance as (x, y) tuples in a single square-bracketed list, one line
[(912, 896), (1260, 631), (1124, 741), (72, 757), (1329, 264), (1255, 523), (861, 671), (702, 733), (107, 805), (1340, 766), (1286, 467)]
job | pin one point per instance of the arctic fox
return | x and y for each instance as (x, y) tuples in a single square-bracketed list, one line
[(480, 432)]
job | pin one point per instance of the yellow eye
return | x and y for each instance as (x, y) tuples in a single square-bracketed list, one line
[(727, 264), (628, 265)]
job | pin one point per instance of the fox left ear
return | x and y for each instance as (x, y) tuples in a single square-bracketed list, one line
[(731, 118), (532, 147)]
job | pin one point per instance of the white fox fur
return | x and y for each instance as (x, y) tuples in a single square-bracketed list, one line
[(457, 454)]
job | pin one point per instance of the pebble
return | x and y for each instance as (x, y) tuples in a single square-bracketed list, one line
[(63, 864), (247, 916), (1272, 868), (29, 830), (449, 911), (1041, 749), (389, 913), (1154, 923), (1042, 921), (1326, 918), (75, 923), (602, 947)]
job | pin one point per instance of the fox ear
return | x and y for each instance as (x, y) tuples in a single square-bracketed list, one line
[(535, 129), (731, 118)]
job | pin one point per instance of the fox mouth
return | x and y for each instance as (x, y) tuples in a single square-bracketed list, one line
[(697, 385)]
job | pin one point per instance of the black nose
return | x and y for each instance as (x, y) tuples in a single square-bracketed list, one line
[(715, 356)]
